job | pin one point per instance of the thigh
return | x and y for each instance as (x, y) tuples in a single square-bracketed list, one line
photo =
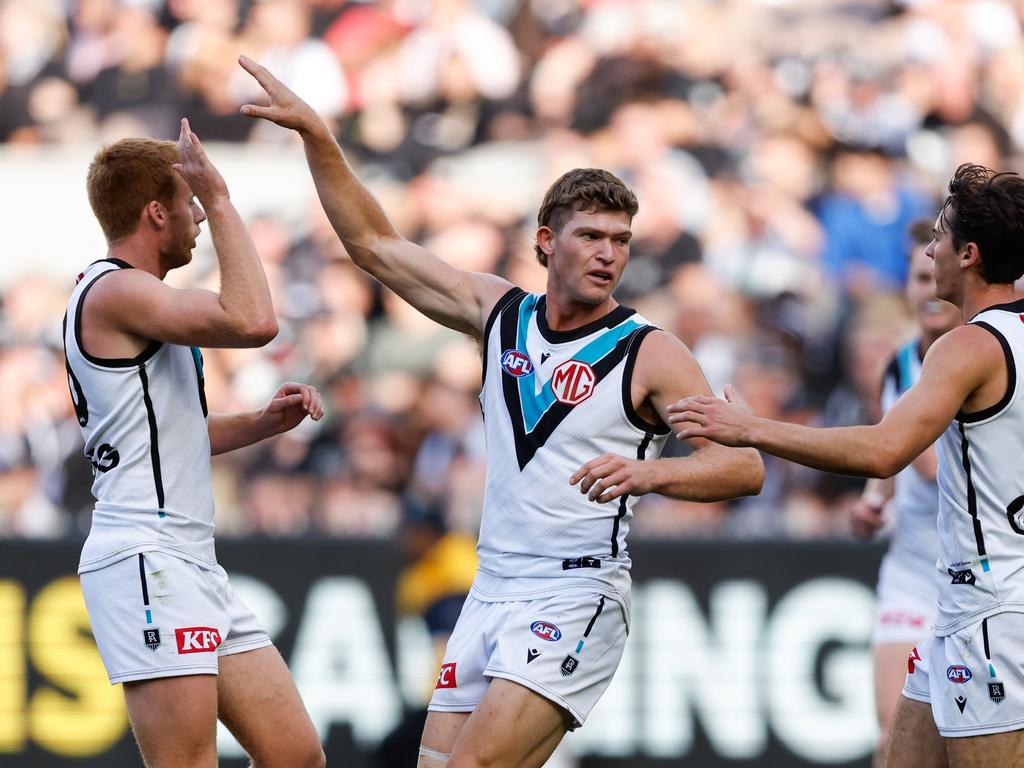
[(513, 727), (997, 749), (260, 705), (914, 741), (192, 741), (890, 666), (442, 729)]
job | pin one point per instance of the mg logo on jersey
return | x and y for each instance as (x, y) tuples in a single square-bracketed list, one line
[(573, 382), (515, 363), (958, 673), (546, 631), (197, 639), (446, 677)]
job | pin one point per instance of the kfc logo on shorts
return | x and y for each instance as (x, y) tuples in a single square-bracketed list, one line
[(446, 677), (958, 673), (515, 363), (573, 382), (197, 639), (914, 656), (546, 631)]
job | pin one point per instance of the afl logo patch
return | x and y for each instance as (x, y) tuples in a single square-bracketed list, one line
[(515, 363), (546, 631), (958, 673)]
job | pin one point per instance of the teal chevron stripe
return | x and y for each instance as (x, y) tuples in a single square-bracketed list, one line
[(535, 404)]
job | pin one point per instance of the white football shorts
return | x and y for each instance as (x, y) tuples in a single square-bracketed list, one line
[(565, 648), (155, 615), (973, 679), (907, 600)]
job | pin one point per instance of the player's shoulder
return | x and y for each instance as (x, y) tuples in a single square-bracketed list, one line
[(967, 350), (662, 356)]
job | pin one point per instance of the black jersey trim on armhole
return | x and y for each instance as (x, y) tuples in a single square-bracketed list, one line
[(113, 362), (154, 443), (1016, 307), (506, 298), (640, 453), (1011, 381), (972, 497), (74, 386), (197, 360), (632, 351)]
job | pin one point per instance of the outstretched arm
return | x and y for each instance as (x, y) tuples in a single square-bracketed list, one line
[(956, 366), (287, 408), (664, 371), (453, 297)]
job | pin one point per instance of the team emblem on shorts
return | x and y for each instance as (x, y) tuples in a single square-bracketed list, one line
[(546, 631), (573, 382), (515, 363), (958, 673), (996, 692), (569, 664), (962, 577), (446, 677), (151, 638), (961, 702)]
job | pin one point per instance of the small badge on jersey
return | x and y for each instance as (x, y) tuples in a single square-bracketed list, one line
[(962, 577), (573, 382), (569, 664), (958, 673), (961, 702), (545, 630), (515, 363), (152, 638), (580, 562), (996, 692)]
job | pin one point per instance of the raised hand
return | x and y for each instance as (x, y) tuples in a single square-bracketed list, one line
[(290, 405), (195, 167), (286, 109), (722, 421)]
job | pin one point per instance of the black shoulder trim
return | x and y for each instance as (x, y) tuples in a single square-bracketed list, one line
[(632, 352), (78, 399), (112, 362), (119, 262), (506, 298), (1017, 307), (610, 320), (1011, 381)]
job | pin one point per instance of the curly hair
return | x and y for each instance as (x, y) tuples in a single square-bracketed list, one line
[(987, 208), (582, 189)]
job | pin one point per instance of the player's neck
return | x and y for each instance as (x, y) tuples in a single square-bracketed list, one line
[(139, 254), (986, 296), (563, 315)]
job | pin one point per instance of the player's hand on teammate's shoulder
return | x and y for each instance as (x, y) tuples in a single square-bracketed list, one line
[(290, 405), (196, 168), (285, 108), (725, 421), (610, 476)]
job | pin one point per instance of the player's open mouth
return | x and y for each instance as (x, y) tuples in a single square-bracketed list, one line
[(600, 276)]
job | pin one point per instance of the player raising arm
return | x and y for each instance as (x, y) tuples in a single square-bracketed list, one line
[(165, 618), (575, 393), (968, 398)]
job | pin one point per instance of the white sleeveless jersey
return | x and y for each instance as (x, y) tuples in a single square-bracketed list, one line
[(981, 494), (145, 430), (915, 540), (552, 401)]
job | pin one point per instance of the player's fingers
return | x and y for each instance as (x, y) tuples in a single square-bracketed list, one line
[(615, 484), (686, 434), (280, 403), (688, 416), (580, 473), (253, 110), (257, 70)]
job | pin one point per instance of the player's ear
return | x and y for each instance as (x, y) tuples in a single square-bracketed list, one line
[(546, 240), (971, 256), (155, 214)]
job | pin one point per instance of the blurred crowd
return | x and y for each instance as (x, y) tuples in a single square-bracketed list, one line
[(779, 149)]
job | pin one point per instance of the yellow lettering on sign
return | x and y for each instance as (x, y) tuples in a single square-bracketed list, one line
[(13, 683), (80, 714)]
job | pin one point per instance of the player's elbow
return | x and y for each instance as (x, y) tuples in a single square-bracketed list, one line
[(750, 473), (259, 333), (886, 462)]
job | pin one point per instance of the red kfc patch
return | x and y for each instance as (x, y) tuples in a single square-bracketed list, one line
[(197, 639), (446, 677)]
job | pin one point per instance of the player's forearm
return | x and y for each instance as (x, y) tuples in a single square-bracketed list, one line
[(709, 475), (858, 450), (229, 431), (353, 211), (244, 292)]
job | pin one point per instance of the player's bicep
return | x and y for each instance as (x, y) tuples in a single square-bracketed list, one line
[(453, 297)]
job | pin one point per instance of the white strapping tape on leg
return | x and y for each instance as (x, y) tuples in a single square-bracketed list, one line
[(431, 759)]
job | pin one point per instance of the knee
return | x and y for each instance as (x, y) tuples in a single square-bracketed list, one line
[(313, 757), (310, 756)]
